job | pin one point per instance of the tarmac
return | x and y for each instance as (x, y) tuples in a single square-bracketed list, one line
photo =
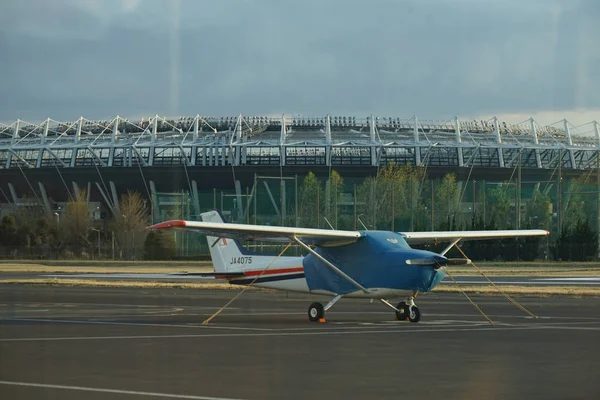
[(60, 342)]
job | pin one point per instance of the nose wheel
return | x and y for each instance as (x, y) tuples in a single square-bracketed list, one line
[(414, 315), (407, 310)]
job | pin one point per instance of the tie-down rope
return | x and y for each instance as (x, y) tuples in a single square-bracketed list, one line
[(516, 303), (246, 288)]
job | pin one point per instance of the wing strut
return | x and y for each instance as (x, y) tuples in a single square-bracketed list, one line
[(331, 266), (450, 246)]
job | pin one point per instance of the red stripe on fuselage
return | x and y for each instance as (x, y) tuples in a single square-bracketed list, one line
[(273, 271)]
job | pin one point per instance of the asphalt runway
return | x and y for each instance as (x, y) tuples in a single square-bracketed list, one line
[(97, 343)]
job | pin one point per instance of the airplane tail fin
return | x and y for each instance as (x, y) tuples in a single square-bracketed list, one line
[(227, 254)]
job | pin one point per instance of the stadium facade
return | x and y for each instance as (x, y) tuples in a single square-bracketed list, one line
[(47, 161)]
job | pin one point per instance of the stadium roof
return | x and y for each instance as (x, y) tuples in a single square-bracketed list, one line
[(286, 140)]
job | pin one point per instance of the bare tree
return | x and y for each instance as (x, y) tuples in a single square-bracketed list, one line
[(77, 220), (129, 225), (74, 225)]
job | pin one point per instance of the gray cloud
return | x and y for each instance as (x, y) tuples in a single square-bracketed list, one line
[(435, 58)]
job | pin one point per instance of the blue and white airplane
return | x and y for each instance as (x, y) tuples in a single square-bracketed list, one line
[(364, 264)]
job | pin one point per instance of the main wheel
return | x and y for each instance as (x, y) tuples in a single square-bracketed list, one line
[(316, 312), (402, 313), (414, 315)]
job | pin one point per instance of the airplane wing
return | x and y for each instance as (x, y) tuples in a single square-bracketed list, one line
[(449, 236), (318, 237)]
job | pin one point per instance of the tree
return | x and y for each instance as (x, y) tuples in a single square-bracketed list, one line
[(585, 241), (447, 198), (579, 243), (27, 221), (390, 199), (537, 211), (537, 216), (366, 202), (573, 207), (333, 196), (311, 199), (499, 201), (159, 245), (76, 222), (129, 225), (8, 233), (396, 190), (477, 249)]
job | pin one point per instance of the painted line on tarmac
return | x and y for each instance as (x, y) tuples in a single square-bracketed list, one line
[(574, 279), (325, 332), (574, 328), (114, 391), (356, 324), (72, 321), (133, 306), (113, 319)]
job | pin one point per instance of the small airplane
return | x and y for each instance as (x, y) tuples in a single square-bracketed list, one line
[(360, 264)]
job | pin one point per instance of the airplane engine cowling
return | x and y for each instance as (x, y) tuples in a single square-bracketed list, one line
[(377, 260)]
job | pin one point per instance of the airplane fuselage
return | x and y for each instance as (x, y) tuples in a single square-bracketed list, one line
[(380, 264), (288, 274)]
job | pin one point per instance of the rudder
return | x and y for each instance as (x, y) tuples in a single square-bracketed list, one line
[(225, 253)]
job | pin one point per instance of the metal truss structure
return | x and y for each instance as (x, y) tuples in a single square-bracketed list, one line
[(287, 141)]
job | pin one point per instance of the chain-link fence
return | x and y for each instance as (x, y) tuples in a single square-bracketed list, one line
[(400, 201)]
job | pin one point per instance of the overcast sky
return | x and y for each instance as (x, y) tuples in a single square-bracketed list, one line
[(434, 58)]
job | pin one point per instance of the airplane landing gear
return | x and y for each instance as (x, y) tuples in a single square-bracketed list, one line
[(316, 311), (402, 313), (414, 315), (408, 310)]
